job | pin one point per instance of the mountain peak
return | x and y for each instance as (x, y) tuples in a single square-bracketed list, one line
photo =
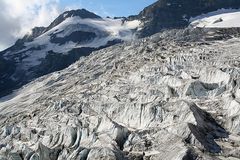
[(82, 13), (36, 31)]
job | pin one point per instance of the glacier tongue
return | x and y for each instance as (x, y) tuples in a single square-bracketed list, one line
[(153, 98)]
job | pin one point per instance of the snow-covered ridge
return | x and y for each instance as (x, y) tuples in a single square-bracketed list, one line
[(114, 26), (105, 29), (222, 18)]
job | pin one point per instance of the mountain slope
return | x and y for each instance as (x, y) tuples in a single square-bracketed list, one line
[(72, 35), (169, 14), (154, 98)]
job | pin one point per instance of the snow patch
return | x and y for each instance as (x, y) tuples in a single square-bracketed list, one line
[(222, 18)]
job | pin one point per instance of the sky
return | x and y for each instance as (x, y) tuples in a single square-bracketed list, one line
[(111, 7), (17, 17)]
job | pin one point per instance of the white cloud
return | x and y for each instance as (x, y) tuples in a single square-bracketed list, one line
[(19, 16)]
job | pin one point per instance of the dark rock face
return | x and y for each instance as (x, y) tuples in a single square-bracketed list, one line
[(7, 68), (169, 14), (76, 37), (37, 31), (57, 61)]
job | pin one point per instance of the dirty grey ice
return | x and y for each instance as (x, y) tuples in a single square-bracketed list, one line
[(153, 99)]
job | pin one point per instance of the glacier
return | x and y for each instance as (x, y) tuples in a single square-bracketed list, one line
[(154, 99)]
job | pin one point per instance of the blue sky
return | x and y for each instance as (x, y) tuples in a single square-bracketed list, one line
[(109, 7)]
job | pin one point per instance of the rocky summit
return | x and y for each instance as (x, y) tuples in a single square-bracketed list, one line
[(174, 95)]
